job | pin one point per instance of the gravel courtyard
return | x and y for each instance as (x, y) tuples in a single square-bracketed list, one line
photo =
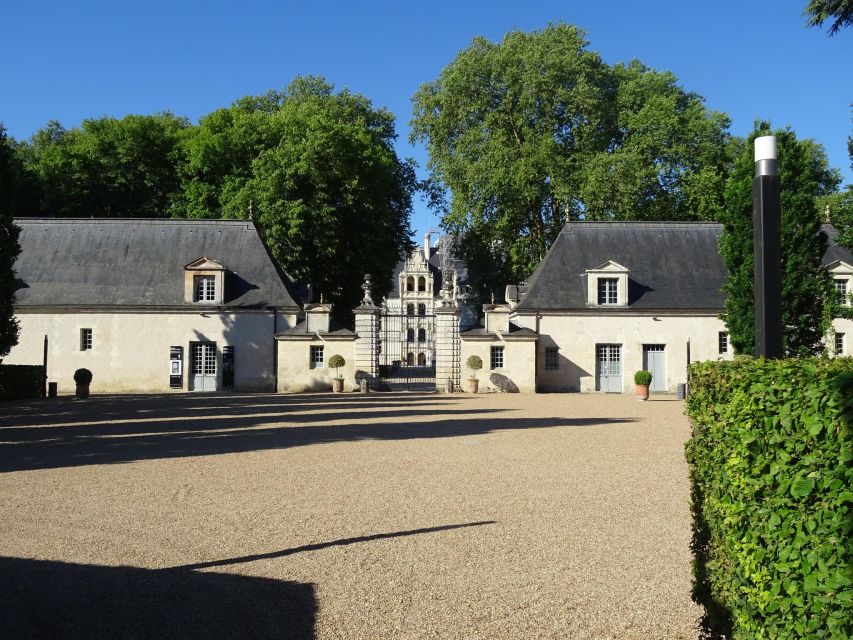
[(346, 516)]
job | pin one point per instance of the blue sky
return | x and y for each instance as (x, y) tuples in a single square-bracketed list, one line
[(72, 60)]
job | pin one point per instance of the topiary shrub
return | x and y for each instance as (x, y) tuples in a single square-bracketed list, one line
[(83, 376), (475, 363), (771, 464), (21, 381), (336, 362), (643, 378)]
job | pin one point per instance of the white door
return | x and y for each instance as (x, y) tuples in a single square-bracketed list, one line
[(654, 361), (203, 376), (608, 363)]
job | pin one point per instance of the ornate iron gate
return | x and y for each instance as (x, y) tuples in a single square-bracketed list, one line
[(406, 353)]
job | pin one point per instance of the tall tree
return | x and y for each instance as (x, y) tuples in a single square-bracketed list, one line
[(838, 12), (807, 294), (318, 168), (537, 130), (9, 247), (108, 167)]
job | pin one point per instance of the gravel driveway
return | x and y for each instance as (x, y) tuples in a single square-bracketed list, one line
[(346, 516)]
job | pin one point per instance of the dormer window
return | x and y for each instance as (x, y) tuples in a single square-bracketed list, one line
[(204, 282), (421, 284), (608, 291), (607, 285), (410, 283), (205, 288)]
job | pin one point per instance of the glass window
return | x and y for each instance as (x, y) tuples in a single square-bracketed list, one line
[(839, 343), (841, 288), (552, 358), (205, 288), (410, 283), (607, 290), (421, 284), (317, 357), (723, 342), (410, 309), (410, 335), (421, 335), (85, 339), (497, 358), (421, 309)]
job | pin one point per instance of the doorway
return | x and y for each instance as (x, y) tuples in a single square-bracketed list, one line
[(654, 361), (608, 365), (203, 374)]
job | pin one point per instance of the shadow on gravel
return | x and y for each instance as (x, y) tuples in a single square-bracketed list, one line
[(45, 599), (333, 543), (116, 430)]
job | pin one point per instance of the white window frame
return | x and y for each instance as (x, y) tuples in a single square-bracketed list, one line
[(842, 290), (552, 358), (496, 358), (608, 291), (204, 289), (839, 343), (86, 340), (316, 357)]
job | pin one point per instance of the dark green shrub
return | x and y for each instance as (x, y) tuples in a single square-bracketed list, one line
[(772, 469), (21, 381), (83, 376), (643, 377)]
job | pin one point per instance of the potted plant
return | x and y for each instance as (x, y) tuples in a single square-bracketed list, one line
[(82, 377), (336, 362), (643, 379), (475, 363)]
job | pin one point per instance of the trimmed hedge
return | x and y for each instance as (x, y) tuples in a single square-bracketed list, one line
[(772, 469), (21, 381)]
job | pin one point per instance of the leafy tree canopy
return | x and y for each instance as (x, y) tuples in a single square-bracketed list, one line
[(536, 130), (807, 298), (107, 167), (10, 172), (838, 12), (319, 170)]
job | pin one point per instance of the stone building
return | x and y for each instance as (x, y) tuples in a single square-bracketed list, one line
[(151, 305)]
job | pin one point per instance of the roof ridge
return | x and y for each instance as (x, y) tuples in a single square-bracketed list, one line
[(151, 221)]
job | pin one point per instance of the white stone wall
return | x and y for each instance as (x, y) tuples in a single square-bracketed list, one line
[(295, 374), (130, 351), (519, 363), (577, 335)]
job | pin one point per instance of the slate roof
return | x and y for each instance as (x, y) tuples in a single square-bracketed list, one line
[(140, 263), (672, 265), (434, 267), (514, 331), (336, 330)]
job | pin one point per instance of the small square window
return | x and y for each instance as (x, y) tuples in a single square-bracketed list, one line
[(85, 339), (839, 344), (723, 342), (608, 290), (552, 358), (497, 358), (317, 357), (204, 288)]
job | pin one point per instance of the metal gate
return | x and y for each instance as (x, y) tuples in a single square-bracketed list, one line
[(654, 361), (406, 353), (608, 363)]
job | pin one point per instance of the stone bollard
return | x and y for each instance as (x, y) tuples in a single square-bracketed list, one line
[(363, 385), (449, 386)]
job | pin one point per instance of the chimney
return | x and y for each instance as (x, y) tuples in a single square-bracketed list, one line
[(426, 246)]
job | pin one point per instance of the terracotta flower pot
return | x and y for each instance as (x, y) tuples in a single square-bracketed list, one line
[(337, 385), (472, 386), (642, 392)]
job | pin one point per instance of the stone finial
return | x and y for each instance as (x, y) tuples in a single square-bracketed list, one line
[(367, 300), (321, 299), (446, 292), (493, 297), (250, 210)]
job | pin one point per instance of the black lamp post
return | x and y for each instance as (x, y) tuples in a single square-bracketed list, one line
[(767, 245)]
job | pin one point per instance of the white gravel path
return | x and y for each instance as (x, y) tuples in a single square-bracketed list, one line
[(386, 515)]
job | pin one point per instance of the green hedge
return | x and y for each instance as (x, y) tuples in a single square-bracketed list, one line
[(21, 381), (772, 470)]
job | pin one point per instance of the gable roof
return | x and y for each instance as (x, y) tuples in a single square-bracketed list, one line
[(672, 265), (140, 263)]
